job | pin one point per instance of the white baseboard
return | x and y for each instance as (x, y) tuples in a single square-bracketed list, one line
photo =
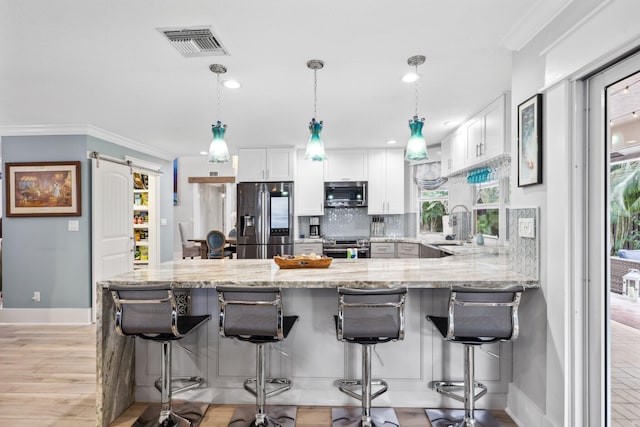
[(523, 411), (53, 316)]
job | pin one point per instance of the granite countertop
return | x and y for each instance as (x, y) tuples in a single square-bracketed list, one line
[(484, 271)]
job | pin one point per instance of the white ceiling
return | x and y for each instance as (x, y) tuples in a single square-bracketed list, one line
[(104, 63)]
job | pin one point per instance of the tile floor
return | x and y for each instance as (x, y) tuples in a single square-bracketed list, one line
[(625, 363)]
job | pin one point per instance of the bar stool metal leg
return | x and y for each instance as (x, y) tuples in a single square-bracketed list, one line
[(366, 385), (169, 411)]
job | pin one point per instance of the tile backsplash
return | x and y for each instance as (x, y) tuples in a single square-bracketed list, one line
[(523, 252), (344, 222)]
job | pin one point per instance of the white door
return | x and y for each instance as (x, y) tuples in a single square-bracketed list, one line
[(112, 213), (597, 351)]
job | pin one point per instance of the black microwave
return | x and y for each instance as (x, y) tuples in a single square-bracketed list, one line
[(345, 194)]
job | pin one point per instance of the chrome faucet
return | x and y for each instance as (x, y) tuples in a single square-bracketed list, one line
[(452, 221)]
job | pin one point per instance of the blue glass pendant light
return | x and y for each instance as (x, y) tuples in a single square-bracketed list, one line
[(417, 146), (315, 147), (218, 150)]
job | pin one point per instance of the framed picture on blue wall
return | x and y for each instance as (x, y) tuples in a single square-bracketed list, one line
[(43, 189)]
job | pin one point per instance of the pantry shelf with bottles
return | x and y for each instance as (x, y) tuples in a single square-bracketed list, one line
[(144, 221)]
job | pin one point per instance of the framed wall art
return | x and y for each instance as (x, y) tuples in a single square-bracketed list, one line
[(530, 141), (43, 189)]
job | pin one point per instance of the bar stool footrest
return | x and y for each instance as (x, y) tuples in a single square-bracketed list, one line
[(352, 417), (347, 385), (277, 416), (455, 417), (185, 414), (448, 388), (283, 384), (180, 384)]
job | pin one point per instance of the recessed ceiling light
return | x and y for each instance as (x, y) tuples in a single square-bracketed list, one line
[(391, 141), (231, 84), (410, 77), (204, 153)]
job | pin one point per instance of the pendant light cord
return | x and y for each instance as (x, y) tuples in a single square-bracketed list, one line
[(416, 90), (315, 93), (219, 97)]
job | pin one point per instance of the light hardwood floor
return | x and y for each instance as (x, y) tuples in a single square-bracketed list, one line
[(47, 378)]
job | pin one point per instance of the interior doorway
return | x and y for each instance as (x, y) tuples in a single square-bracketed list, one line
[(614, 241)]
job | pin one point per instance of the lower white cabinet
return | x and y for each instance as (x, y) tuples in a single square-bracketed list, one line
[(307, 248), (383, 250), (395, 250), (407, 250)]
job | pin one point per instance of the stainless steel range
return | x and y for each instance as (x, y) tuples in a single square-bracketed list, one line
[(337, 248)]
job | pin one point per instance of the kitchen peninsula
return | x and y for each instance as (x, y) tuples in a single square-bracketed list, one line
[(314, 359)]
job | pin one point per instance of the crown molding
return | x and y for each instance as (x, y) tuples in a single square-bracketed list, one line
[(532, 22), (89, 130)]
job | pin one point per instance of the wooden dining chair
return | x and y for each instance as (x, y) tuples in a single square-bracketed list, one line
[(215, 243)]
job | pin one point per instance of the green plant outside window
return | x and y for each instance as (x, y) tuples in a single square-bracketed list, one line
[(433, 205)]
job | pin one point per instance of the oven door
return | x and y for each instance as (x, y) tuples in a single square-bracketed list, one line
[(335, 252)]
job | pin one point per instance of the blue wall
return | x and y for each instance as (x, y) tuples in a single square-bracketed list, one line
[(39, 253)]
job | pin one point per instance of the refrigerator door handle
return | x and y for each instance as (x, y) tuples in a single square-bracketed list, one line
[(265, 233)]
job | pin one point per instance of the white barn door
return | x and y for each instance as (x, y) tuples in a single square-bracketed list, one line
[(112, 213)]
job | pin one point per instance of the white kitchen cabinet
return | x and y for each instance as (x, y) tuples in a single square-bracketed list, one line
[(383, 250), (458, 149), (265, 164), (407, 250), (346, 165), (445, 156), (307, 248), (481, 138), (495, 128), (486, 133), (386, 182), (309, 188)]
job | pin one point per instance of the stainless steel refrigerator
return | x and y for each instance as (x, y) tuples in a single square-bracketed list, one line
[(265, 219)]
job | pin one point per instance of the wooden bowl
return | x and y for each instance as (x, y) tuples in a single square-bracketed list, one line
[(291, 261)]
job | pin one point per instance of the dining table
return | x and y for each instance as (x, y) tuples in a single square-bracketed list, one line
[(204, 249)]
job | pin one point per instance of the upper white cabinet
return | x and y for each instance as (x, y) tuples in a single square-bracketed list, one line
[(346, 165), (309, 187), (481, 138), (265, 164), (445, 156), (486, 133), (386, 181), (458, 150)]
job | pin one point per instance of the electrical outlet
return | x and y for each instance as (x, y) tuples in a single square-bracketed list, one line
[(36, 296), (526, 228)]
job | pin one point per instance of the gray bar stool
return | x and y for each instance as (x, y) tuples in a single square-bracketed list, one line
[(256, 315), (151, 313), (368, 317), (475, 317)]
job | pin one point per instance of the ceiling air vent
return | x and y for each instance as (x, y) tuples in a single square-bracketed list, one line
[(194, 41)]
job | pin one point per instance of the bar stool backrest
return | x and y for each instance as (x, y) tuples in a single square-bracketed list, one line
[(250, 312), (145, 310), (483, 314), (371, 315)]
